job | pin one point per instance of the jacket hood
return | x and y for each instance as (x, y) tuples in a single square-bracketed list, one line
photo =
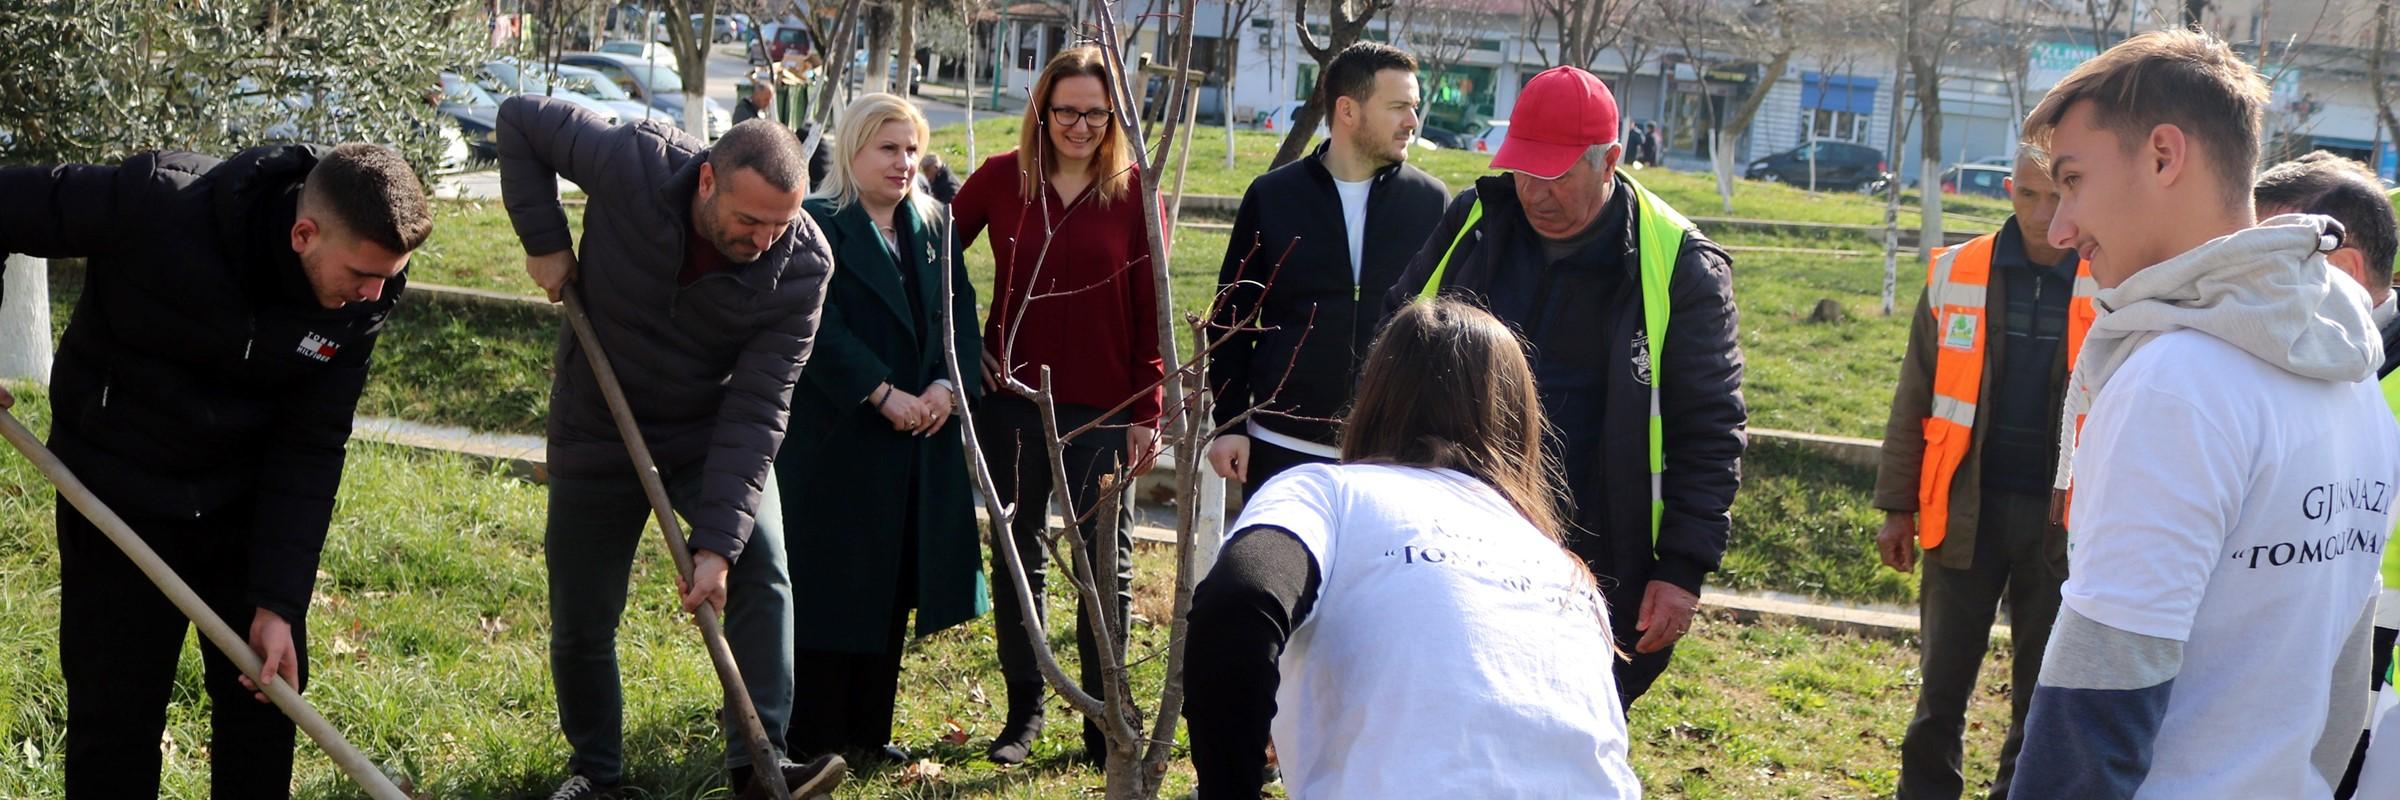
[(2266, 290)]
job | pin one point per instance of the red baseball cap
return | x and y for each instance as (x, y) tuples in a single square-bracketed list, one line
[(1560, 113)]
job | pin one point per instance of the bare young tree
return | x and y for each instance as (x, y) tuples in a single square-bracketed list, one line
[(2380, 79), (1585, 27), (1932, 32), (1708, 33), (1347, 23), (1233, 20), (1439, 33), (691, 55)]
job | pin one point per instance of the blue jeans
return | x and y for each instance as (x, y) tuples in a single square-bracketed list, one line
[(594, 527)]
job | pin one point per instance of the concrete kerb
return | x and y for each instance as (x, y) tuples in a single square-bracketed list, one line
[(524, 457)]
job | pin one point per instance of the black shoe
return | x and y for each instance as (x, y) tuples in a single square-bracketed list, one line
[(1024, 725), (815, 779), (581, 788), (890, 755)]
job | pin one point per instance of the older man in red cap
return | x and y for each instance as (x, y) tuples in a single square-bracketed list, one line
[(1628, 314)]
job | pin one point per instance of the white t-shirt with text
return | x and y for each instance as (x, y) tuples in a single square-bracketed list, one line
[(1453, 650), (2225, 503)]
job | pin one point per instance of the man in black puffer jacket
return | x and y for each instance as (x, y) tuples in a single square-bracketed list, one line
[(704, 281), (204, 391)]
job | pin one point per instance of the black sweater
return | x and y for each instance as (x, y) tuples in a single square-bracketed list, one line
[(1262, 587), (1289, 262)]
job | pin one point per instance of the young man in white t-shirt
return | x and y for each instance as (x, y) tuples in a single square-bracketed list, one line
[(2233, 482)]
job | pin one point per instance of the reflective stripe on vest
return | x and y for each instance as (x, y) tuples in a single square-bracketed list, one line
[(2391, 556), (1957, 291), (1659, 233)]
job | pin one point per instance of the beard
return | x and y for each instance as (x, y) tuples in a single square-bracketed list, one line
[(1376, 147), (731, 247)]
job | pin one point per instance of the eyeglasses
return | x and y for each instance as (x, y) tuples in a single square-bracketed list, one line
[(1065, 117)]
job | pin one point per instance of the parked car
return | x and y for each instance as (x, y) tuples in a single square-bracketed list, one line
[(1976, 179), (723, 29), (1839, 165), (647, 51), (1489, 141), (590, 83), (505, 78), (785, 37), (1444, 137), (475, 114), (2009, 162), (658, 86), (891, 74)]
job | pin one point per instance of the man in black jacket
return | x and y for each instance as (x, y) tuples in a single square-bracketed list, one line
[(1590, 268), (704, 282), (204, 391), (1302, 260), (760, 104)]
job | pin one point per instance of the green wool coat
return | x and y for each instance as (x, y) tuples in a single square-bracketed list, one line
[(846, 475)]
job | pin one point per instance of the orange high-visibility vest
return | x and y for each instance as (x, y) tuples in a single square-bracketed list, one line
[(1955, 292)]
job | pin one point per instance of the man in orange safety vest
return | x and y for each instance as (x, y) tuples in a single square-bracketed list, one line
[(1968, 457)]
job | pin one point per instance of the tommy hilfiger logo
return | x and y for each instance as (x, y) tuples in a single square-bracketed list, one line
[(318, 348)]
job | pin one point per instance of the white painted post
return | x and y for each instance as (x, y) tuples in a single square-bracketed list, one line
[(25, 320), (1208, 521)]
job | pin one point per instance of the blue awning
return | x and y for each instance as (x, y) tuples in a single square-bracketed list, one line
[(1837, 93)]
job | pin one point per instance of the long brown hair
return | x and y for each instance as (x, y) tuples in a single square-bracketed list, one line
[(1447, 386), (1112, 163)]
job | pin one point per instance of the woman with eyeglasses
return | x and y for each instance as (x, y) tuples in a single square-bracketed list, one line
[(1073, 296), (1406, 623)]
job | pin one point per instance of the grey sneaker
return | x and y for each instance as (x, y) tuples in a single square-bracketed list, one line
[(811, 781)]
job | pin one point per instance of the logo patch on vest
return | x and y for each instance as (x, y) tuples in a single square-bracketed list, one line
[(1641, 356), (1959, 334), (317, 347)]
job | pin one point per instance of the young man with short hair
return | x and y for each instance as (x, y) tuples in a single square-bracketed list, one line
[(204, 391), (1315, 245), (2232, 485)]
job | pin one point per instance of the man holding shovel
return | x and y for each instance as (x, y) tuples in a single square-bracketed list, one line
[(204, 391), (703, 282)]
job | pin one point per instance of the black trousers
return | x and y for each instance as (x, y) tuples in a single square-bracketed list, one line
[(2384, 640), (1010, 431), (1268, 460), (2014, 560), (842, 700), (118, 642), (1638, 671)]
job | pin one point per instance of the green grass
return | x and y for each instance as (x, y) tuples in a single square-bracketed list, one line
[(1694, 193), (1802, 525), (430, 634), (473, 245)]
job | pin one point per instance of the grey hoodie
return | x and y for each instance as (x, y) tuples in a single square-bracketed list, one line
[(2266, 290)]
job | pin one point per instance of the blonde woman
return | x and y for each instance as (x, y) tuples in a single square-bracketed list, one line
[(873, 468), (1072, 294)]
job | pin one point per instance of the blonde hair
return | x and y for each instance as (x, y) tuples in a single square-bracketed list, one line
[(861, 119), (1112, 165), (2183, 78)]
